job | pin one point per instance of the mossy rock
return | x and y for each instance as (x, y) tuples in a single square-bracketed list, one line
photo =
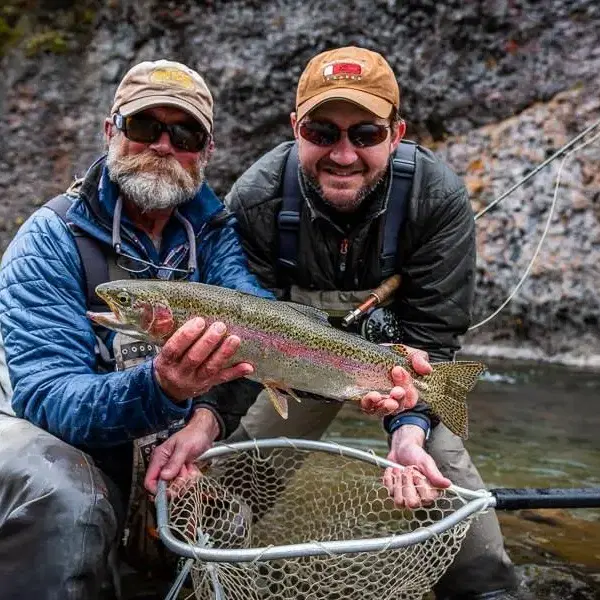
[(54, 42), (41, 26)]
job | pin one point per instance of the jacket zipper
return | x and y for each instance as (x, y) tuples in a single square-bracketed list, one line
[(343, 255)]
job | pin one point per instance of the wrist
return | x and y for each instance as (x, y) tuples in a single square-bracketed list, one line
[(417, 419), (205, 420), (408, 435), (162, 386)]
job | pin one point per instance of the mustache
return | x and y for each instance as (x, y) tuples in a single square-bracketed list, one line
[(150, 161), (326, 163)]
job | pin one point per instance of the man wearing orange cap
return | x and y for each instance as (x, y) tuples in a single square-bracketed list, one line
[(324, 220), (87, 403)]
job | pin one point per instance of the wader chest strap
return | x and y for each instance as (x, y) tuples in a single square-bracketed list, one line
[(95, 265)]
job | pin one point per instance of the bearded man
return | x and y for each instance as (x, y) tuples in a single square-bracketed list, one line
[(88, 404)]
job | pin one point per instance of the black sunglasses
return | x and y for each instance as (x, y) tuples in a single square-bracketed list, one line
[(361, 135), (147, 130)]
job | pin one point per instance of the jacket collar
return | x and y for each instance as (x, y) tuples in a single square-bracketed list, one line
[(98, 197)]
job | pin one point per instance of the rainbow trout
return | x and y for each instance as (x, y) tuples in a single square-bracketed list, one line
[(291, 346)]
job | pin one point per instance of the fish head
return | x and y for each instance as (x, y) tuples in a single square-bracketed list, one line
[(139, 310)]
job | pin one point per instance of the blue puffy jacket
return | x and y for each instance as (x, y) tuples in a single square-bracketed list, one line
[(49, 341)]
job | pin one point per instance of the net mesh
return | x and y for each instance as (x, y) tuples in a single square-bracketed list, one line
[(264, 498)]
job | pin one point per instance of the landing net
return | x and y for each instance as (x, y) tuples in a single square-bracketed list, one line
[(307, 520)]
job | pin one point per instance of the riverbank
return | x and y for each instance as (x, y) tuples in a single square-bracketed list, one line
[(589, 362)]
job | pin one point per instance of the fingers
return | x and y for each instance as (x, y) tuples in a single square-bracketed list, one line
[(210, 362), (231, 373), (409, 487), (175, 462), (160, 457), (174, 458), (404, 391), (196, 358), (374, 403), (210, 342), (183, 339)]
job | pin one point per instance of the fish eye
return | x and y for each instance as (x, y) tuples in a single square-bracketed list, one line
[(123, 298)]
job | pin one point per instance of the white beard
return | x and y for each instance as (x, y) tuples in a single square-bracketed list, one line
[(152, 182)]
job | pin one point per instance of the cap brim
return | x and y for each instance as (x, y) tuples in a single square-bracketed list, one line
[(135, 106), (378, 106)]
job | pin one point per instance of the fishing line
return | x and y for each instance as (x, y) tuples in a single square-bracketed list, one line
[(550, 215), (537, 169)]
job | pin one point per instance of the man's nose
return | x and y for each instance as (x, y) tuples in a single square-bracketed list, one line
[(162, 145), (343, 152)]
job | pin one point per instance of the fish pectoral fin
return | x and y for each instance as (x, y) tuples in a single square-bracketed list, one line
[(293, 394), (278, 399)]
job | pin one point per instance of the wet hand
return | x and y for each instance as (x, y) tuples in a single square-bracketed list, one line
[(175, 458), (404, 395), (195, 359), (419, 482)]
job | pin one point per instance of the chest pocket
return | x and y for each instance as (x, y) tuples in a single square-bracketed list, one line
[(334, 302)]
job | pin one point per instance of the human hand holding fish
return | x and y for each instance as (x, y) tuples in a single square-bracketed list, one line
[(197, 357), (404, 395)]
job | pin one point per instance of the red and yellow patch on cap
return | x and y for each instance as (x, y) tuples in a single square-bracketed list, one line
[(342, 70)]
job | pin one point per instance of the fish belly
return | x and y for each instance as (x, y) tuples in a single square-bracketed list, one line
[(293, 366)]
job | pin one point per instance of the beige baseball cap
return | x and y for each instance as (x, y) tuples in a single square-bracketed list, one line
[(164, 83), (354, 74)]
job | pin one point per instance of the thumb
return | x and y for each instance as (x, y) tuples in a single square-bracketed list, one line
[(159, 458), (428, 467), (174, 464)]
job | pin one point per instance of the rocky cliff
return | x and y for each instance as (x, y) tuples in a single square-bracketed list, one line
[(495, 86)]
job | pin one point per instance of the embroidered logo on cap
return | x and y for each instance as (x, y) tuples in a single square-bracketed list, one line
[(342, 70), (172, 77)]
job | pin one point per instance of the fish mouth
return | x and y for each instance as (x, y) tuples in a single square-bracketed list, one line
[(111, 321)]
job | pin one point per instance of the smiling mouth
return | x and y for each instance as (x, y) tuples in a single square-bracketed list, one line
[(337, 173)]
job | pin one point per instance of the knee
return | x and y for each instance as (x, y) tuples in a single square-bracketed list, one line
[(51, 485)]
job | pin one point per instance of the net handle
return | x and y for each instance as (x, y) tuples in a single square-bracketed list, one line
[(520, 498)]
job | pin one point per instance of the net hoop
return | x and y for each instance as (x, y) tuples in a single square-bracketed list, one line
[(475, 501)]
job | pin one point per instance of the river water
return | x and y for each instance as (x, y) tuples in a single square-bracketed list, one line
[(531, 426)]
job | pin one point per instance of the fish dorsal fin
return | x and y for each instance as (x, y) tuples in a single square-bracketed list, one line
[(310, 311)]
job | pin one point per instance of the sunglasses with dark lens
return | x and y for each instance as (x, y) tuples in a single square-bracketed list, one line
[(135, 265), (361, 135), (147, 130)]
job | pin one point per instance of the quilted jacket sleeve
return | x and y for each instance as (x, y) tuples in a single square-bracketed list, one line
[(49, 346)]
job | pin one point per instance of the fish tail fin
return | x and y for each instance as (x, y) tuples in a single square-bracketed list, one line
[(446, 390)]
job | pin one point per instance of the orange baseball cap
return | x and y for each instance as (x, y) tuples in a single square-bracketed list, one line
[(164, 83), (354, 74)]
